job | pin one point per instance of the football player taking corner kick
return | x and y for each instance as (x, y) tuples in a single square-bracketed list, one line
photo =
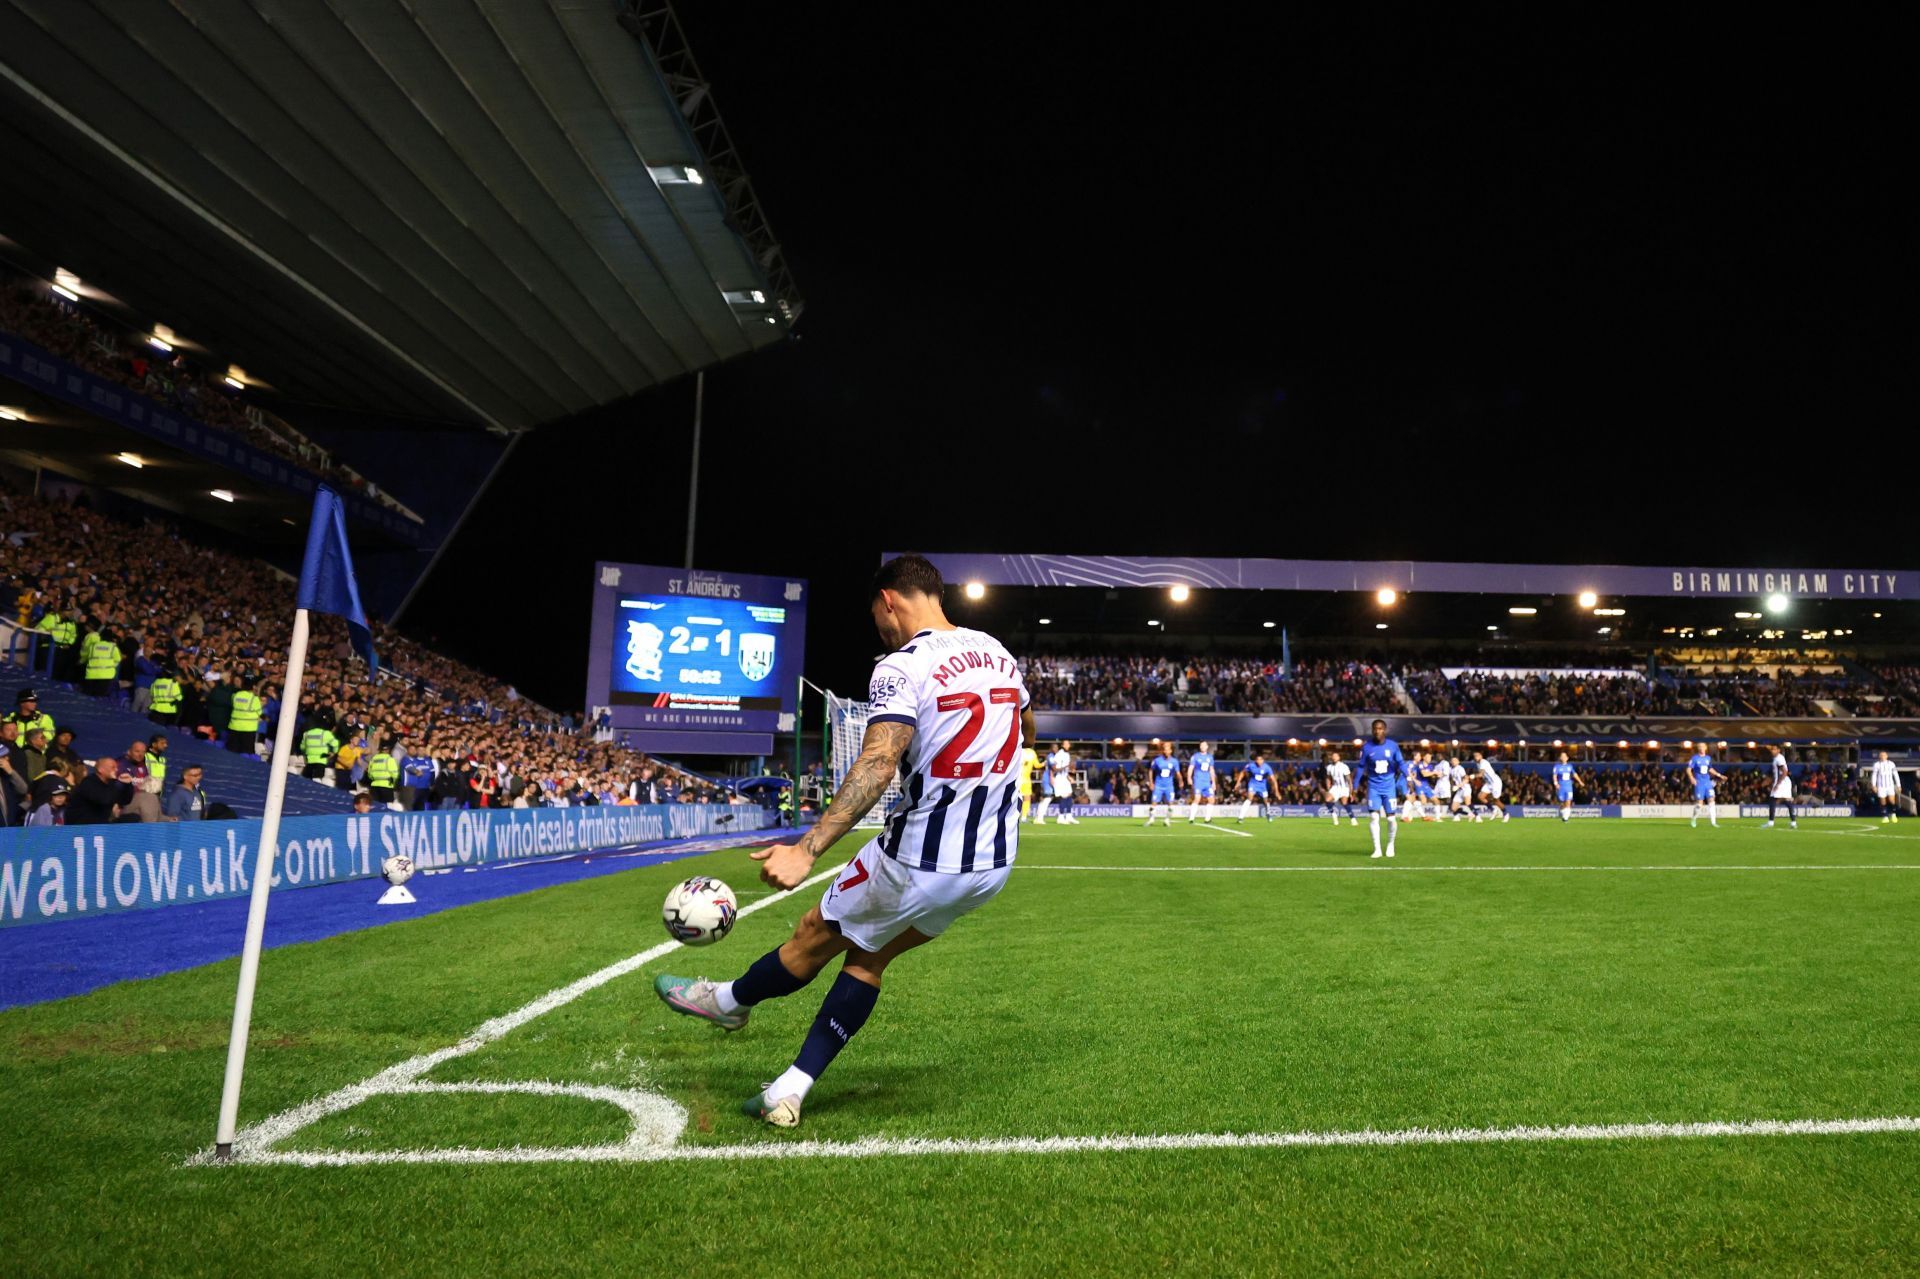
[(950, 709)]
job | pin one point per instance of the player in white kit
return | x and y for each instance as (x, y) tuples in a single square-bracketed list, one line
[(1491, 787), (1340, 788), (948, 707), (1059, 788), (1782, 790), (1886, 788), (1462, 792)]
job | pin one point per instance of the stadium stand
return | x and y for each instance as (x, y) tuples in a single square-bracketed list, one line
[(29, 308), (1252, 687), (1733, 687), (212, 619)]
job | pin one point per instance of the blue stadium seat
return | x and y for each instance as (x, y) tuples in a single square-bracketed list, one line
[(238, 781)]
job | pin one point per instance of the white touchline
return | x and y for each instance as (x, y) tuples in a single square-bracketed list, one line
[(1407, 870), (1118, 1143), (656, 1118)]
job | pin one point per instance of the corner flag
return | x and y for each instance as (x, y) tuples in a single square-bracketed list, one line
[(326, 586), (326, 574)]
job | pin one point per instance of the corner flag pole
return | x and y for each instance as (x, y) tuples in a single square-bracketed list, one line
[(326, 586), (262, 880)]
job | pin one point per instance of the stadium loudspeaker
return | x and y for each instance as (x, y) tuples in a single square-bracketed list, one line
[(396, 895)]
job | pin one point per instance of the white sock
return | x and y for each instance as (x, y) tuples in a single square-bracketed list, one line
[(1393, 828), (793, 1082), (1713, 811), (1246, 806), (1192, 810), (723, 998), (1209, 812), (1046, 802), (1376, 830)]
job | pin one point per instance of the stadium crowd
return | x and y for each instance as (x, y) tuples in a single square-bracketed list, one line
[(142, 608), (1538, 693), (30, 310), (1260, 686), (1779, 691), (1248, 686)]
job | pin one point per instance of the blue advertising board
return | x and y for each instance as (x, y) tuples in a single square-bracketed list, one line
[(70, 872), (686, 660)]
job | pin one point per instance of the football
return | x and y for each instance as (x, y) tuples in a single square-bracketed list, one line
[(699, 912), (397, 869)]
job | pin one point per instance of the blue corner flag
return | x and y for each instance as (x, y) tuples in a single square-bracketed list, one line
[(326, 574)]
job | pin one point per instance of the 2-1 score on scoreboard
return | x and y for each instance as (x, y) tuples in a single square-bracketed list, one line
[(689, 660)]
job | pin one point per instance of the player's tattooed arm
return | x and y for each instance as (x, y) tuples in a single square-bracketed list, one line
[(785, 865), (880, 754)]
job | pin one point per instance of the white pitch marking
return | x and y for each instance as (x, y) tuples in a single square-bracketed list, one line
[(1222, 829), (1858, 831), (883, 1147), (1381, 870), (255, 1144)]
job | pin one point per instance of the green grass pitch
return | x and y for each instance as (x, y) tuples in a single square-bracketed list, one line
[(1128, 981)]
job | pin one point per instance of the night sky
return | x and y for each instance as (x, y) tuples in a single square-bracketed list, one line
[(1163, 282)]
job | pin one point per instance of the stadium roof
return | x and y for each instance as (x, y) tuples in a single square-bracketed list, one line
[(495, 214), (1673, 581)]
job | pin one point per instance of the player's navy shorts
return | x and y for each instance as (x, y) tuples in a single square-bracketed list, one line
[(1566, 794), (1257, 790), (1203, 788), (1163, 794), (1703, 790), (1382, 801)]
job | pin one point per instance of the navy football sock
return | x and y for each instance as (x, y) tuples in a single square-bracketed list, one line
[(767, 979), (843, 1012)]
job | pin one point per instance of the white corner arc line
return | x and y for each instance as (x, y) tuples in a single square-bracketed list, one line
[(254, 1144), (884, 1147)]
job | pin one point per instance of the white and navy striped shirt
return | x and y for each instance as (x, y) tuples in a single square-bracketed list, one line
[(962, 693)]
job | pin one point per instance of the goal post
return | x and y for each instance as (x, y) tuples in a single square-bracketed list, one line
[(846, 728)]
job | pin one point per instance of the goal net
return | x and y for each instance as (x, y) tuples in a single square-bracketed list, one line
[(846, 729)]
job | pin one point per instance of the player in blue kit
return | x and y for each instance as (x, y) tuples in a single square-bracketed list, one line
[(1380, 767), (1410, 788), (1165, 771), (1424, 777), (1701, 770), (1200, 781), (1563, 786), (1257, 779)]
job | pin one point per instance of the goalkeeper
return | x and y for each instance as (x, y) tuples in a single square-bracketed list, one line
[(1029, 765)]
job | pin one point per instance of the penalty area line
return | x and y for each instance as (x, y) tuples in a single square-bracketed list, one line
[(1222, 829), (1119, 1143)]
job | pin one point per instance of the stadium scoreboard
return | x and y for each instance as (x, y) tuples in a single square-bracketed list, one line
[(690, 660)]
